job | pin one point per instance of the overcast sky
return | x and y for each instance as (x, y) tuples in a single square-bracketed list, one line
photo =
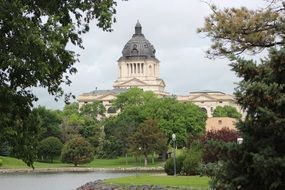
[(171, 27)]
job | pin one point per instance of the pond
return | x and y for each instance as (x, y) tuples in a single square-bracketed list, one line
[(52, 181)]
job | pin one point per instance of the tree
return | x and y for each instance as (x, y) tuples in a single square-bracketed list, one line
[(137, 106), (77, 151), (226, 111), (258, 163), (49, 148), (50, 121), (93, 112), (147, 139), (33, 45)]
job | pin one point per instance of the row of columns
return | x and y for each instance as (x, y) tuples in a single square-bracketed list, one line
[(134, 68)]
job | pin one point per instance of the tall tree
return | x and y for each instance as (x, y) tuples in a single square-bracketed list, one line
[(148, 138), (258, 163), (33, 52)]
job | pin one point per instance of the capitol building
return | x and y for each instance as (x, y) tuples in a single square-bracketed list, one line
[(138, 67)]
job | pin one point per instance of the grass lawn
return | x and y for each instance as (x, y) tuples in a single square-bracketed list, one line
[(179, 181), (9, 162)]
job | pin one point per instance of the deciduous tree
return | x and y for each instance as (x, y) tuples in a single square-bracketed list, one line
[(226, 111), (148, 138), (33, 53), (77, 151)]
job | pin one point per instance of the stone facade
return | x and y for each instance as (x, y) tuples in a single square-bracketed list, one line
[(217, 123), (138, 67)]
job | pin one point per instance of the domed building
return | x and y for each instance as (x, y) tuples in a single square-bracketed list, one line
[(138, 67)]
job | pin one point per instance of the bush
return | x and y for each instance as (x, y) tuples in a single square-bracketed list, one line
[(192, 162), (49, 148), (209, 169), (212, 151), (77, 151), (225, 135), (1, 162), (169, 166)]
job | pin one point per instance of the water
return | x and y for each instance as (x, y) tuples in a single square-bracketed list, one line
[(52, 181)]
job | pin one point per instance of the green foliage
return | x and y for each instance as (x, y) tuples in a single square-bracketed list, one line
[(148, 138), (137, 106), (167, 182), (49, 148), (24, 142), (192, 162), (1, 162), (236, 30), (50, 121), (226, 111), (34, 53), (169, 165), (212, 151), (92, 111), (77, 151), (259, 162)]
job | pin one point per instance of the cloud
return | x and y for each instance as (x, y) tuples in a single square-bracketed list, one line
[(171, 27)]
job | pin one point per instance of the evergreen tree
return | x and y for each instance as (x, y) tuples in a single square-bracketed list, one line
[(258, 163)]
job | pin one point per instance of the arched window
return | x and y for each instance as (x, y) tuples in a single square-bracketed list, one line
[(111, 110), (142, 67), (204, 110)]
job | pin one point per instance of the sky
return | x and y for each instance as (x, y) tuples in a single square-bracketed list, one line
[(171, 27)]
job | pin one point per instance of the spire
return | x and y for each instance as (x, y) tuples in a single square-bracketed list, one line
[(138, 28)]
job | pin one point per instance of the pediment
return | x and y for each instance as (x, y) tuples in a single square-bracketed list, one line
[(133, 82), (107, 97), (162, 83), (203, 97)]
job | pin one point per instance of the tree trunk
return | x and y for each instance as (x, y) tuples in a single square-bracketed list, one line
[(126, 158), (145, 160), (153, 155)]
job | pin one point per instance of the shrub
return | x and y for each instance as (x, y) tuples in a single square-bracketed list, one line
[(49, 148), (77, 151), (169, 166), (225, 135), (1, 162), (192, 162), (212, 151), (209, 169)]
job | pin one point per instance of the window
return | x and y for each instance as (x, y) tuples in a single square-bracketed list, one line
[(204, 110), (220, 122), (220, 101), (111, 110)]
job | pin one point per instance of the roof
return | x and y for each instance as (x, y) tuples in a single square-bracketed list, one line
[(101, 92), (138, 45), (207, 91)]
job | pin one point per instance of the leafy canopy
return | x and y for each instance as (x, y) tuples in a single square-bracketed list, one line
[(226, 111), (33, 53)]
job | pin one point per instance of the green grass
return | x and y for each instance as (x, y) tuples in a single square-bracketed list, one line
[(172, 181), (9, 162)]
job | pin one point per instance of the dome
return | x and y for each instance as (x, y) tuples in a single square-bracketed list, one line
[(138, 46)]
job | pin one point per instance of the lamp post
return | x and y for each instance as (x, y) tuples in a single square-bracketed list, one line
[(174, 156), (140, 149)]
